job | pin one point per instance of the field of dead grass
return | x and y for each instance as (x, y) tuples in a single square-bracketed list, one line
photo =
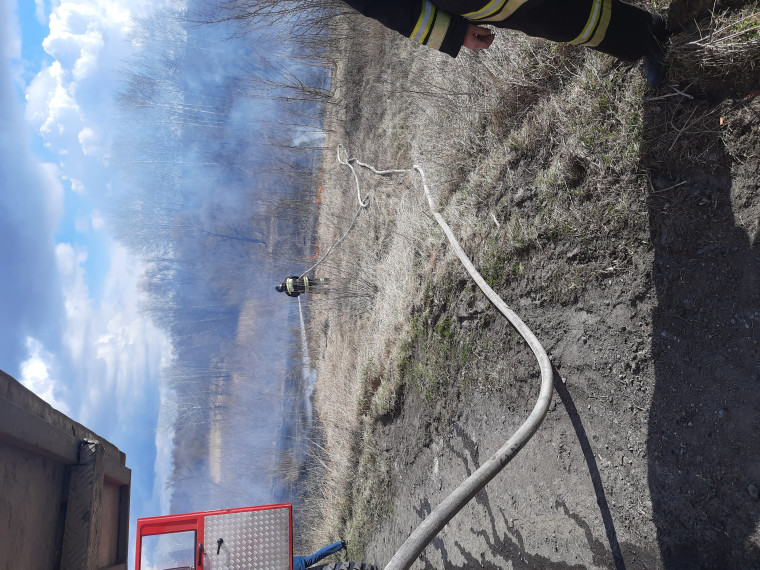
[(542, 158)]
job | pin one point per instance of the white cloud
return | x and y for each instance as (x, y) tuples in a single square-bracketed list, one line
[(128, 343), (77, 186), (90, 142), (97, 220), (52, 108), (36, 375), (68, 101), (78, 310), (77, 31), (116, 348)]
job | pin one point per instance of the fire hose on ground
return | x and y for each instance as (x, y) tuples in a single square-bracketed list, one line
[(451, 505)]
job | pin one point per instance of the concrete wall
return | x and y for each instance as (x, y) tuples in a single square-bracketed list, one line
[(32, 494), (64, 491)]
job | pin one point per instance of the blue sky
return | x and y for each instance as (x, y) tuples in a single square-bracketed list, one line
[(69, 301)]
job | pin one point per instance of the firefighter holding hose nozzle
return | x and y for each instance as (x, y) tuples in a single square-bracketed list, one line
[(293, 286)]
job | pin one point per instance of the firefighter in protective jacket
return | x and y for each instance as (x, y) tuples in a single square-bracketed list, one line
[(293, 286), (610, 26)]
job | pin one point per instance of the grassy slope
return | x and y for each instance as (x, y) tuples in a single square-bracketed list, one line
[(541, 157)]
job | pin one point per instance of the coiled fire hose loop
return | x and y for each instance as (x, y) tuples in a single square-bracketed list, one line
[(345, 160), (451, 505)]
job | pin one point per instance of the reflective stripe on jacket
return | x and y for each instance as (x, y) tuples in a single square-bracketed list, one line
[(421, 20), (442, 25), (296, 285)]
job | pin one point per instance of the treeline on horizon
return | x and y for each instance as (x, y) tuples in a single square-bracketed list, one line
[(220, 141)]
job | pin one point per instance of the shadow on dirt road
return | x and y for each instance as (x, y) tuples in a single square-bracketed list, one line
[(703, 445), (502, 536), (593, 469)]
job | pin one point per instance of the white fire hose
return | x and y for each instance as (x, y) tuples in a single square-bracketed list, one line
[(443, 513)]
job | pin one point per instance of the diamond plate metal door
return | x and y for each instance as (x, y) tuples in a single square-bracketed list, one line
[(252, 540)]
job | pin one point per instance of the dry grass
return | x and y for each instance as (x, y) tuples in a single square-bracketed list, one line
[(355, 348), (532, 150), (550, 160), (723, 51), (354, 341)]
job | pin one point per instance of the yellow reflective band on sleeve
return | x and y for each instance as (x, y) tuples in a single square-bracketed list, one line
[(289, 285), (588, 29), (438, 34), (498, 12), (422, 29), (601, 30), (488, 10), (305, 284), (596, 26)]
